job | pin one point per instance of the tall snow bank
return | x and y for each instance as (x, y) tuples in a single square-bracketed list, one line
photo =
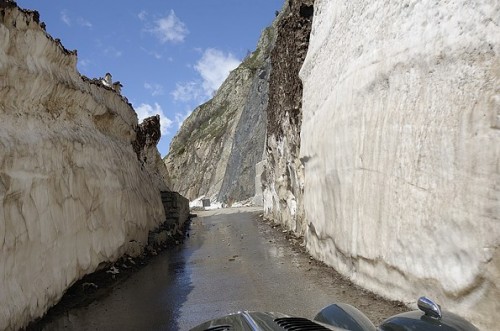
[(73, 193), (401, 146)]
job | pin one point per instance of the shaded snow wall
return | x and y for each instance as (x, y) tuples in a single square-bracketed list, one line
[(73, 193), (401, 145)]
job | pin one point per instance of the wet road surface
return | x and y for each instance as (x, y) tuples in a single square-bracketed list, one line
[(230, 262)]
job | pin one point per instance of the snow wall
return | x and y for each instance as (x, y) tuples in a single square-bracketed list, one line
[(73, 193), (401, 146)]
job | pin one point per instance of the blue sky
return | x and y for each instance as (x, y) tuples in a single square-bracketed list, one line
[(170, 55)]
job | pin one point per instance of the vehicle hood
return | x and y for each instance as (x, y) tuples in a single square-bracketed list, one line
[(257, 321)]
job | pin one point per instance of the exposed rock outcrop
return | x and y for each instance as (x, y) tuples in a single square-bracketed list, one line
[(283, 178), (77, 184), (401, 146), (215, 151), (148, 134)]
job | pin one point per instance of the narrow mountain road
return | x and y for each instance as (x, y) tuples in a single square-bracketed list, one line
[(232, 261)]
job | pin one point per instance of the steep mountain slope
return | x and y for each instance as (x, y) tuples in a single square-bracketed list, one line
[(215, 151), (80, 180), (283, 177)]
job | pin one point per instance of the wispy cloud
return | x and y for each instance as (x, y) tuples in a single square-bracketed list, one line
[(145, 110), (155, 89), (84, 63), (65, 17), (142, 15), (154, 54), (185, 92), (181, 117), (214, 67), (167, 29), (112, 52), (84, 23)]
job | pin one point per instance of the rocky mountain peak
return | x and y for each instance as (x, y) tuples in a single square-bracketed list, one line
[(215, 151)]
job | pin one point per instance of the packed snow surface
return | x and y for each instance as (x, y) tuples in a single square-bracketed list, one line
[(73, 194), (401, 147)]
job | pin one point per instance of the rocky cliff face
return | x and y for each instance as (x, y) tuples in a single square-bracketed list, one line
[(147, 136), (215, 151), (283, 177), (79, 179), (401, 145)]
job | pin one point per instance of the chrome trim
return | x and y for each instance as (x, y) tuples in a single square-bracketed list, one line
[(429, 307), (250, 321)]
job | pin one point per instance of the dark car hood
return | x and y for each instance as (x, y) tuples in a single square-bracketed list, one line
[(253, 321)]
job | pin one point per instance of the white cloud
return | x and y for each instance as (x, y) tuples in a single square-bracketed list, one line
[(155, 89), (214, 67), (169, 29), (83, 22), (145, 110), (142, 15), (84, 62), (185, 92), (65, 18)]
